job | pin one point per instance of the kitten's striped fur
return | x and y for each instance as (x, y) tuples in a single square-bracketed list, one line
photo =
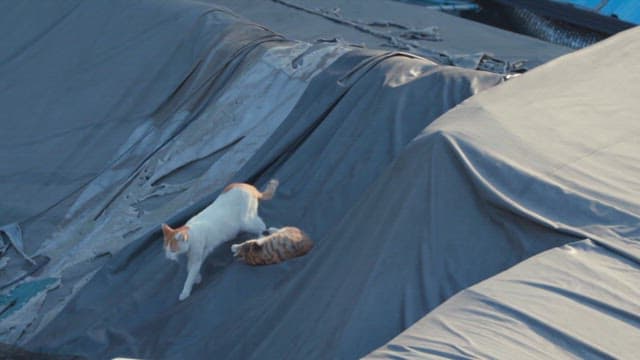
[(281, 245)]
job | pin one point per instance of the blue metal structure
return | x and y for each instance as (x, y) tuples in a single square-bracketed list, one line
[(446, 5), (627, 10)]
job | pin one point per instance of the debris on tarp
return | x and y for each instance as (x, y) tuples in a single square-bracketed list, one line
[(28, 297)]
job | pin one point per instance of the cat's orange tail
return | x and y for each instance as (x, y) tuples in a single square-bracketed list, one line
[(269, 190)]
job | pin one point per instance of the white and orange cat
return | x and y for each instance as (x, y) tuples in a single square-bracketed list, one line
[(235, 210)]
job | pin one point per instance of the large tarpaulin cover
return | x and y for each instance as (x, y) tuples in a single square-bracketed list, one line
[(117, 114), (127, 114), (405, 211), (549, 156), (351, 121)]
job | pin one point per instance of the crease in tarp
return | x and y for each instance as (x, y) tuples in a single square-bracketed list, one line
[(299, 60), (22, 306), (212, 80), (13, 233), (368, 59), (577, 299), (431, 33), (39, 262), (552, 333), (41, 35), (293, 115), (71, 194), (495, 195), (198, 94), (4, 259), (497, 317)]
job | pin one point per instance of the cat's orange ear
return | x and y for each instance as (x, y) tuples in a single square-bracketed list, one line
[(167, 230)]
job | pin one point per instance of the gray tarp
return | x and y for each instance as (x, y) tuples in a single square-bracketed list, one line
[(162, 143), (551, 155), (464, 41), (351, 121), (399, 229), (119, 115), (576, 301)]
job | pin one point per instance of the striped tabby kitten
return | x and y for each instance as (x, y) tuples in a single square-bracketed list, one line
[(281, 245), (235, 210)]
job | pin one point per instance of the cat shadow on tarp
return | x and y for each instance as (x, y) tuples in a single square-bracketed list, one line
[(215, 263), (221, 257)]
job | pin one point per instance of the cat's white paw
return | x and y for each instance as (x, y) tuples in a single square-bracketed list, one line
[(235, 248), (183, 296)]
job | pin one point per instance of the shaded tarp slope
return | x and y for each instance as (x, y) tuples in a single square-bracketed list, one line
[(222, 86), (575, 301), (567, 160), (97, 85), (90, 88), (352, 121)]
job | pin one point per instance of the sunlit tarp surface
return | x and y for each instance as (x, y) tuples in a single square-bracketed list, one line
[(549, 156)]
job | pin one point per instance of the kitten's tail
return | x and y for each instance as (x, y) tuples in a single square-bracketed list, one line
[(269, 190)]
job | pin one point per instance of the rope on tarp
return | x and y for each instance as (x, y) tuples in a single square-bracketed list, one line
[(405, 38), (431, 33)]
